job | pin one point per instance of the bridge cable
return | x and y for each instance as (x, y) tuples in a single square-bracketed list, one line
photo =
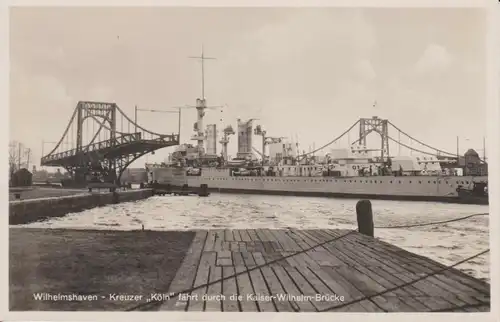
[(248, 270), (407, 284), (65, 131), (432, 223), (138, 126), (422, 143), (411, 148), (329, 143)]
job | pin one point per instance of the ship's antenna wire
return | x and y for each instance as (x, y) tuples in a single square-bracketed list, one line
[(202, 58)]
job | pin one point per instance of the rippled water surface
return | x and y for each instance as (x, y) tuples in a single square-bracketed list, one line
[(445, 243)]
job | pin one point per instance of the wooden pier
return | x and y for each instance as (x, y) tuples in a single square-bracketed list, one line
[(346, 267)]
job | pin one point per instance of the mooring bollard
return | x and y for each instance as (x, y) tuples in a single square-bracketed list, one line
[(116, 197), (364, 216), (203, 192)]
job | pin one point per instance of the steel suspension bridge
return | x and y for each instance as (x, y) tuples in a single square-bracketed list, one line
[(101, 141)]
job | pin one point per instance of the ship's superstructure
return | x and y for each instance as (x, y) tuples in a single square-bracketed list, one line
[(279, 167)]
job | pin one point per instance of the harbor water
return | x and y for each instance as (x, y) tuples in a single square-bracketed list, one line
[(446, 243)]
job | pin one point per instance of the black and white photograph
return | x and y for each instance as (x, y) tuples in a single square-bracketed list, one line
[(248, 159)]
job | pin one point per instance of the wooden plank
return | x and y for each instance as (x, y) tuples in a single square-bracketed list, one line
[(226, 246), (214, 292), (318, 286), (248, 258), (229, 289), (307, 240), (196, 302), (369, 287), (238, 259), (302, 285), (313, 257), (228, 235), (324, 258), (289, 258), (456, 275), (245, 288), (185, 276), (449, 293), (259, 247), (219, 237), (261, 236), (209, 244), (352, 293), (367, 276), (272, 283), (374, 271), (388, 278), (291, 290), (224, 258), (315, 233), (385, 278), (260, 287), (297, 239), (242, 246), (234, 246), (307, 270), (275, 289), (333, 258), (335, 249), (245, 236), (288, 244), (429, 286), (236, 235), (276, 245), (253, 235)]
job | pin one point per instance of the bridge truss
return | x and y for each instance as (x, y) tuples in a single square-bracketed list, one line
[(101, 141)]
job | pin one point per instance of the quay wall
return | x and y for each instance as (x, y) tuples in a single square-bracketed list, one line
[(26, 211)]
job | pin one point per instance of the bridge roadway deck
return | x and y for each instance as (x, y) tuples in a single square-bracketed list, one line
[(110, 152), (353, 266)]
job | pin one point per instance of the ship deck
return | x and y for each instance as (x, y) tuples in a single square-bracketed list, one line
[(365, 274)]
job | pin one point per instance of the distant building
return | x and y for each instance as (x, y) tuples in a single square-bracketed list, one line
[(21, 178)]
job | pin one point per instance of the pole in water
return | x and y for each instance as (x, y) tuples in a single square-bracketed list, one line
[(364, 217)]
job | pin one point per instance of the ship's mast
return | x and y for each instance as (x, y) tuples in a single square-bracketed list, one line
[(201, 105)]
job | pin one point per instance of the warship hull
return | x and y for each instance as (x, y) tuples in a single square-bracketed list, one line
[(411, 188)]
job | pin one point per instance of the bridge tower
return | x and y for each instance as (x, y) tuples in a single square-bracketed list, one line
[(105, 115), (380, 126)]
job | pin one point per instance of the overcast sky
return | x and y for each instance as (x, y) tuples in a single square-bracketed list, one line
[(305, 72)]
